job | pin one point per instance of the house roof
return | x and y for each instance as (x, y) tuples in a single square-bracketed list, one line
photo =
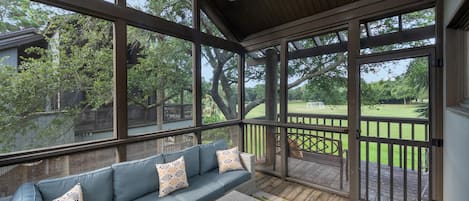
[(19, 38), (244, 17)]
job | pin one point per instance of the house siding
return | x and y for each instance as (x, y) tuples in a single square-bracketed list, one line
[(456, 126), (9, 57)]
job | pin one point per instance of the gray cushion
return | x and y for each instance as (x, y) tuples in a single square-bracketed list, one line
[(134, 179), (96, 185), (155, 197), (191, 159), (27, 191), (201, 188), (209, 158)]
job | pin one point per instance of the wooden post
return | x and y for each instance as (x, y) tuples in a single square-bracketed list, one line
[(120, 84), (354, 108), (241, 61), (270, 103), (197, 70), (284, 148), (436, 107)]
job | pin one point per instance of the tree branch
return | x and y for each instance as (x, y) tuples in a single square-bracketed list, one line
[(339, 61)]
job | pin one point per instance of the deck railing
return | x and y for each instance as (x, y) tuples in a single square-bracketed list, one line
[(394, 152), (101, 120)]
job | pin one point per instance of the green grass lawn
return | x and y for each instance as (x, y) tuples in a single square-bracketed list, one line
[(393, 130), (384, 110)]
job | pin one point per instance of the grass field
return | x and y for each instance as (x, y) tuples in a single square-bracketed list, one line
[(384, 130), (385, 110)]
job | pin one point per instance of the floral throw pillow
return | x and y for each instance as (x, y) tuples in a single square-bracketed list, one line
[(74, 194), (172, 176), (228, 160)]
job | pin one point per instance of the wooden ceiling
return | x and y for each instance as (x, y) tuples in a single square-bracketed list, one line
[(245, 17)]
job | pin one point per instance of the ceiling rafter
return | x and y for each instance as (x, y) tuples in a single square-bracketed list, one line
[(409, 35), (220, 22)]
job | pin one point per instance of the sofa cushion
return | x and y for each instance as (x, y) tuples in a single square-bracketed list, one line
[(96, 185), (154, 196), (207, 154), (191, 159), (200, 188), (133, 179), (231, 179), (27, 191)]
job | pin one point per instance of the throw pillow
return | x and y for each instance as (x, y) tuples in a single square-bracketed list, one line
[(74, 194), (172, 176), (228, 160)]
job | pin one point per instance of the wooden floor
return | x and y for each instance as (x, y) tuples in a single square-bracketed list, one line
[(328, 176), (292, 191)]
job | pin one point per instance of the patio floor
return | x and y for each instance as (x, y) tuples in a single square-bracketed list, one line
[(328, 176), (292, 191)]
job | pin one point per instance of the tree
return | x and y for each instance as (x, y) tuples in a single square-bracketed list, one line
[(20, 14), (163, 66), (79, 59), (329, 89), (81, 65)]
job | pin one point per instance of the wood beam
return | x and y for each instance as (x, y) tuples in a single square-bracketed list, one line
[(197, 72), (284, 108), (62, 150), (217, 18), (241, 97), (359, 10), (133, 17), (120, 123), (399, 37), (437, 95), (354, 109), (410, 35), (271, 79)]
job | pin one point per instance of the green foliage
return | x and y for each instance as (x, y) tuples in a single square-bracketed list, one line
[(79, 60), (163, 64), (332, 90), (254, 93), (20, 14)]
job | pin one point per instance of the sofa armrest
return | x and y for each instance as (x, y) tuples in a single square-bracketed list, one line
[(27, 192), (249, 163)]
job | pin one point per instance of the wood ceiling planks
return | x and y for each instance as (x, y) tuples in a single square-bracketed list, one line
[(245, 17)]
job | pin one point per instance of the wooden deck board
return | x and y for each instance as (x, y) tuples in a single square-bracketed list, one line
[(328, 176), (292, 191)]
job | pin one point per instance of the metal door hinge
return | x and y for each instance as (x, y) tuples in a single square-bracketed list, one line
[(357, 134), (437, 142)]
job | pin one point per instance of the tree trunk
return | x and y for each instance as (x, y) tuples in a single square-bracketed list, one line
[(234, 134), (160, 108)]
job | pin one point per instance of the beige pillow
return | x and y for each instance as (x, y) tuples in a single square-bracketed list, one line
[(228, 160), (74, 194), (172, 176)]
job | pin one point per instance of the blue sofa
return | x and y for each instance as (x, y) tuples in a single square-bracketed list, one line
[(138, 180)]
